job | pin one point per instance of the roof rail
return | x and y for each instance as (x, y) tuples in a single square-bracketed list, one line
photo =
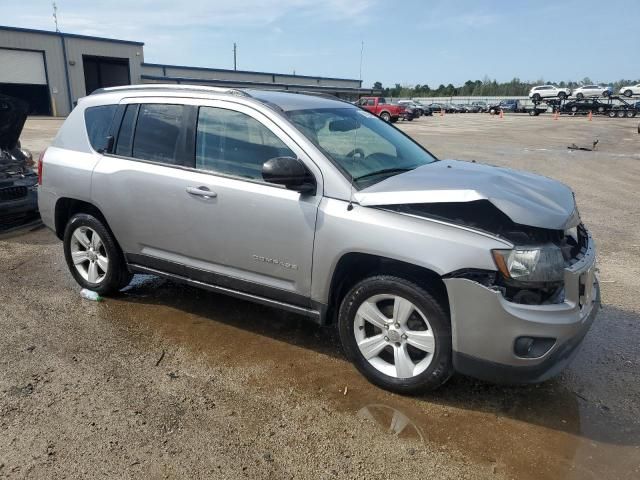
[(171, 86)]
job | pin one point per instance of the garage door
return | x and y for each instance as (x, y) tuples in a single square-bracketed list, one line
[(22, 75), (19, 66)]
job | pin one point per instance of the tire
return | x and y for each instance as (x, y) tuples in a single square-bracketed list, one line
[(611, 113), (394, 119), (532, 113), (98, 244), (628, 93), (606, 94), (385, 116), (579, 96), (562, 95), (574, 109), (630, 114), (492, 111), (536, 97), (620, 113), (600, 109), (416, 370)]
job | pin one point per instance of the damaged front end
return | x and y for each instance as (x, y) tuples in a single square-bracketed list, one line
[(18, 181), (532, 272)]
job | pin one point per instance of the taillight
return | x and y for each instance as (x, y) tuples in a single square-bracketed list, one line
[(41, 166)]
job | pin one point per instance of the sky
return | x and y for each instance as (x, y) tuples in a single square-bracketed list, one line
[(405, 41)]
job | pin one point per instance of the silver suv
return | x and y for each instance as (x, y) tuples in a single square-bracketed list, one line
[(313, 205)]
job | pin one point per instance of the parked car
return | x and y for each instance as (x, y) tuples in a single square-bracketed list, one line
[(592, 91), (440, 107), (510, 105), (18, 181), (317, 207), (389, 112), (585, 106), (630, 90), (548, 91), (481, 106), (418, 108)]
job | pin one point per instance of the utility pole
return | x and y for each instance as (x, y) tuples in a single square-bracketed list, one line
[(361, 55), (55, 16), (235, 55)]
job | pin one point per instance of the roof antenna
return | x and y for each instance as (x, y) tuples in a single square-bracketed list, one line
[(55, 16)]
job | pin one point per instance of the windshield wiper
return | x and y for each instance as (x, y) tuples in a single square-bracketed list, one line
[(383, 172)]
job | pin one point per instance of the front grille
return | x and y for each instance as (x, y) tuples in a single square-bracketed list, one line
[(13, 193)]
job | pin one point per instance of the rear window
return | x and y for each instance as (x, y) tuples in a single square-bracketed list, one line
[(98, 121)]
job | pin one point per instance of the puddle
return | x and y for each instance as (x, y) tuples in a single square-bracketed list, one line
[(544, 431)]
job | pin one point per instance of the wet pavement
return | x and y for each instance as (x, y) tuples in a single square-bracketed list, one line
[(168, 381)]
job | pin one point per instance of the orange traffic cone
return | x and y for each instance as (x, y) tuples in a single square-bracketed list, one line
[(556, 115), (501, 113), (442, 112), (590, 115)]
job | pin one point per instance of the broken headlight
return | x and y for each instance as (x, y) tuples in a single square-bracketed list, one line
[(543, 264)]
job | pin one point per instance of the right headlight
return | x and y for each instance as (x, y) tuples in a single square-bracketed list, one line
[(531, 264)]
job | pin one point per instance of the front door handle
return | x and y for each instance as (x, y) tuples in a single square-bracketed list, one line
[(201, 192)]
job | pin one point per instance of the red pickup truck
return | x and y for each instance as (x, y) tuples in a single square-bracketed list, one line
[(389, 112)]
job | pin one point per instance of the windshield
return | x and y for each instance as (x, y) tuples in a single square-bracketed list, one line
[(366, 148)]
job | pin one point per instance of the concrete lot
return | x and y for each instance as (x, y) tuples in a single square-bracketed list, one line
[(166, 381)]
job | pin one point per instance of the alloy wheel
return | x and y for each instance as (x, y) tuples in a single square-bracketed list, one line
[(394, 336), (89, 255)]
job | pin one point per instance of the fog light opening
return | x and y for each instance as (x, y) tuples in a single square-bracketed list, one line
[(530, 347)]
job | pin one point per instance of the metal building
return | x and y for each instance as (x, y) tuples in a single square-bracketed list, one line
[(52, 70)]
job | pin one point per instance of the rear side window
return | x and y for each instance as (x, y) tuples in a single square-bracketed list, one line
[(125, 136), (98, 121), (233, 143), (159, 133)]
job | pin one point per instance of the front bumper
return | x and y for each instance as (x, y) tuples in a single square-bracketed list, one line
[(485, 326), (13, 210)]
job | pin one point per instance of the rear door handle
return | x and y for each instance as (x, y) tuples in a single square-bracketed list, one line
[(201, 192)]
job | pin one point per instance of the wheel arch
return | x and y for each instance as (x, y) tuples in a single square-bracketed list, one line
[(353, 267), (67, 207)]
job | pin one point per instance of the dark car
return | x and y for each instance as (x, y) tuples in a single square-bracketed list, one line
[(18, 182), (585, 106), (506, 106)]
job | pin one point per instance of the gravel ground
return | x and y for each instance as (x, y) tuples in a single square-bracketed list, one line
[(167, 381)]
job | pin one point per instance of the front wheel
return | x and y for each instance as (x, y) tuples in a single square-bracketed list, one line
[(385, 116), (396, 334), (93, 256), (628, 93), (579, 96)]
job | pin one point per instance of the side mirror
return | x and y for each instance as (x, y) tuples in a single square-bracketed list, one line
[(291, 173)]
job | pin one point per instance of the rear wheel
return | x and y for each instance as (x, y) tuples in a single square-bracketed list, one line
[(562, 95), (630, 114), (611, 113), (628, 93), (621, 113), (385, 116), (93, 256), (536, 97), (397, 334), (579, 96)]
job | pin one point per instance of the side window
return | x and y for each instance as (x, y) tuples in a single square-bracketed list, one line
[(159, 133), (382, 100), (371, 102), (233, 143), (98, 122), (127, 127)]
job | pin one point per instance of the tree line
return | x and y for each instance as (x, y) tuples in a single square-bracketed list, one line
[(485, 88)]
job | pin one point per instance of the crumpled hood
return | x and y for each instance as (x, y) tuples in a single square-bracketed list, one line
[(526, 198), (13, 114)]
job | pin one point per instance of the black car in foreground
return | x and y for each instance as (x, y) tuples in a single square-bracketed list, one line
[(585, 106), (18, 181)]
